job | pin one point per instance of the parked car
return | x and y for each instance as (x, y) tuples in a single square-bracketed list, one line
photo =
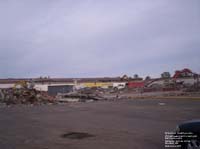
[(191, 128)]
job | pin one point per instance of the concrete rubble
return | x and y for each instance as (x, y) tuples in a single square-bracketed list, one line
[(24, 96), (88, 94), (99, 94), (31, 96), (184, 83)]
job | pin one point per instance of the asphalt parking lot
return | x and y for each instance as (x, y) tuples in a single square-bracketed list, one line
[(125, 124)]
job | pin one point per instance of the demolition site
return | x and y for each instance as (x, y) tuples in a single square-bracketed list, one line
[(121, 112)]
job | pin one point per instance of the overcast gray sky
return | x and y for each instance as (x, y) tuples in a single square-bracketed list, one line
[(90, 38)]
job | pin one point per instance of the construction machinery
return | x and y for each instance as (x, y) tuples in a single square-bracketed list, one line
[(183, 73), (186, 78), (21, 84), (24, 84)]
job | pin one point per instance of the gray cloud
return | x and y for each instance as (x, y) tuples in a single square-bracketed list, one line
[(98, 38)]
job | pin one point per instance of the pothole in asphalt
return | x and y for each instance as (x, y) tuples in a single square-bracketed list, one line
[(76, 135)]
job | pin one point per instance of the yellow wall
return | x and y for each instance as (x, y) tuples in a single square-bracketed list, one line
[(97, 84)]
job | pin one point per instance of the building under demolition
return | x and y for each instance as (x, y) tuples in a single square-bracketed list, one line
[(183, 78)]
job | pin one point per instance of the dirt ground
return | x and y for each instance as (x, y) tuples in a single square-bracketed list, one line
[(124, 124)]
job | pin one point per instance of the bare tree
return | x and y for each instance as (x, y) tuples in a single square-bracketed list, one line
[(165, 75), (136, 76), (147, 78)]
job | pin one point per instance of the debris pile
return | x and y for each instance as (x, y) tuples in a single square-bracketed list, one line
[(24, 96), (84, 95)]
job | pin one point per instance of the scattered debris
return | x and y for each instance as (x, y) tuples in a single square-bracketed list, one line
[(24, 96), (85, 95), (183, 83)]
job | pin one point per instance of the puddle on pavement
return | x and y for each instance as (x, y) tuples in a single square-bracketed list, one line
[(76, 135)]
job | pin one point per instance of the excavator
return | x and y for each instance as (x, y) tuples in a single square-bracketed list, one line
[(24, 84), (184, 73), (183, 77), (21, 84), (186, 77)]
